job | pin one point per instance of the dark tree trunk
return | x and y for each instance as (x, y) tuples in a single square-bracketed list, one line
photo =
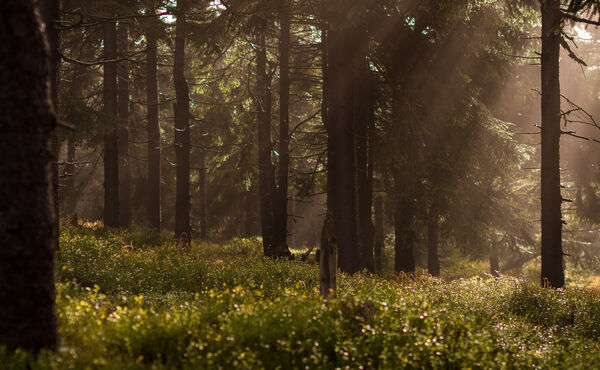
[(182, 133), (250, 213), (27, 216), (364, 119), (153, 128), (379, 233), (404, 227), (280, 203), (111, 156), (328, 258), (495, 260), (341, 136), (202, 197), (49, 10), (433, 258), (552, 252), (266, 181), (123, 111), (70, 182)]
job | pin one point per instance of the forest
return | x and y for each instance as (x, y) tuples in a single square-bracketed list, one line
[(274, 184)]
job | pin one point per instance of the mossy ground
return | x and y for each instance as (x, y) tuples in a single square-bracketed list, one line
[(130, 299)]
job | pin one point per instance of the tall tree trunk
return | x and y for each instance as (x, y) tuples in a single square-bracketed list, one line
[(70, 182), (250, 213), (202, 197), (403, 192), (49, 10), (111, 156), (552, 252), (153, 191), (27, 215), (433, 258), (341, 136), (495, 260), (266, 181), (280, 203), (379, 233), (182, 132), (364, 119), (123, 111)]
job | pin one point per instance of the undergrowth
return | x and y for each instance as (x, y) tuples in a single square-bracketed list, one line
[(128, 301)]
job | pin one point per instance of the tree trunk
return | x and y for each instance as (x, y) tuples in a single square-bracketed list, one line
[(27, 215), (280, 203), (433, 258), (266, 181), (403, 192), (123, 111), (202, 197), (250, 217), (328, 258), (552, 252), (379, 234), (182, 133), (49, 10), (341, 136), (495, 260), (70, 183), (153, 204), (111, 156), (364, 118)]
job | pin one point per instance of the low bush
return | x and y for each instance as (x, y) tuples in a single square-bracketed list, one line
[(213, 306)]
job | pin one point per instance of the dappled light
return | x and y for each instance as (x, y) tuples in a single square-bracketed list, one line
[(300, 184)]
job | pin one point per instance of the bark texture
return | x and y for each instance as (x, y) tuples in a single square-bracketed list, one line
[(552, 252), (379, 233), (182, 132), (153, 128), (280, 203), (111, 155), (27, 216), (342, 141), (123, 112)]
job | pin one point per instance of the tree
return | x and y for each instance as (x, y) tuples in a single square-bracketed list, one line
[(552, 253), (182, 131), (27, 217), (153, 130), (111, 143), (280, 201), (343, 190), (123, 114)]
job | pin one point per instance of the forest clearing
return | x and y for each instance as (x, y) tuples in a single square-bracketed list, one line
[(338, 184)]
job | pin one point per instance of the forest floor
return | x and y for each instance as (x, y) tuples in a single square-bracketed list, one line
[(133, 299)]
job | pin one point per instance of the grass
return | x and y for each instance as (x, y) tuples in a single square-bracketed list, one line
[(129, 300)]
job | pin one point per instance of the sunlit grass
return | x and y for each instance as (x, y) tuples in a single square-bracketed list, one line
[(126, 300)]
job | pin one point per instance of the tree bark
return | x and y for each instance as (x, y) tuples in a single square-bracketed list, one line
[(202, 197), (404, 227), (364, 118), (49, 10), (266, 180), (341, 138), (111, 156), (153, 204), (494, 260), (280, 203), (552, 252), (123, 111), (27, 215), (379, 234), (182, 133), (433, 258), (328, 258)]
